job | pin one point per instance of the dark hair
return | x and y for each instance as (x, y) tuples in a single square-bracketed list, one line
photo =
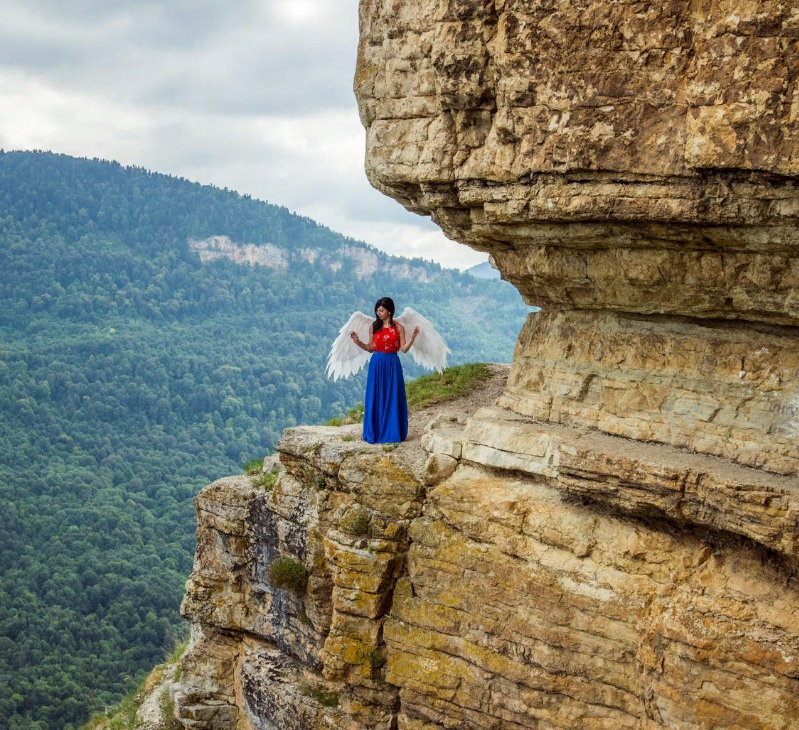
[(388, 303)]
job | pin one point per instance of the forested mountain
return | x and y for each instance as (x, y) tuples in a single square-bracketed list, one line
[(133, 372)]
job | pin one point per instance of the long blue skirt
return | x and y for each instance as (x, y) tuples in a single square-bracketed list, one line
[(385, 410)]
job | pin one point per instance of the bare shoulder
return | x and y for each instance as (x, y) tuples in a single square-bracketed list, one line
[(400, 327)]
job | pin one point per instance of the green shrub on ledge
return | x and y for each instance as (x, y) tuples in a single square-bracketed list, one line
[(328, 699), (266, 480), (251, 468), (354, 415), (357, 524), (287, 573)]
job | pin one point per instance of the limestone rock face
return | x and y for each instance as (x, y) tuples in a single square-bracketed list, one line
[(494, 114), (520, 611), (311, 655), (633, 169), (550, 577), (614, 543)]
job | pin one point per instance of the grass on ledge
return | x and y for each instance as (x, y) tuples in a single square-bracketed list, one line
[(429, 390), (266, 480), (251, 468), (318, 692), (287, 573), (453, 383), (122, 716), (354, 415)]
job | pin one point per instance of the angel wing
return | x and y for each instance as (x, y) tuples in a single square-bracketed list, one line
[(345, 357), (429, 349)]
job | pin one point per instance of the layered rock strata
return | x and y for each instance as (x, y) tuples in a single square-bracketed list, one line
[(614, 543), (632, 169), (308, 655), (495, 596)]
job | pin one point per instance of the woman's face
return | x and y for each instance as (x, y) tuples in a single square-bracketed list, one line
[(382, 313)]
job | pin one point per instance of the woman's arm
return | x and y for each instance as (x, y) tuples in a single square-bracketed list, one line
[(363, 345), (405, 346)]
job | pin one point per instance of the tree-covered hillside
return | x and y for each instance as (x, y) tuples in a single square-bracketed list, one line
[(131, 374)]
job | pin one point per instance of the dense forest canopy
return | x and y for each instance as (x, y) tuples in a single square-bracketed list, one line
[(131, 374)]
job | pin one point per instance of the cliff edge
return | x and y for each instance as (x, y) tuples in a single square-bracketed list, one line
[(612, 542), (462, 580)]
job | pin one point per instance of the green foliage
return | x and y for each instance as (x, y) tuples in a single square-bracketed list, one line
[(389, 447), (167, 707), (318, 692), (358, 523), (285, 572), (427, 390), (266, 480), (122, 716), (178, 650), (256, 466), (453, 383), (353, 415), (374, 659), (131, 375)]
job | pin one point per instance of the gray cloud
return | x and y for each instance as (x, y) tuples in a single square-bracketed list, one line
[(248, 58), (254, 95)]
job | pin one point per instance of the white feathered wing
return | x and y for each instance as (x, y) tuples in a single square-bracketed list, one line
[(429, 349), (345, 357)]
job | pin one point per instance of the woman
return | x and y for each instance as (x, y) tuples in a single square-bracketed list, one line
[(378, 341), (385, 413)]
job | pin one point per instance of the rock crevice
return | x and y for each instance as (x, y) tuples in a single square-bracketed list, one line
[(492, 597)]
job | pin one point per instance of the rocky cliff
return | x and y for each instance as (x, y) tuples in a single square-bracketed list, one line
[(358, 258), (613, 542), (494, 572)]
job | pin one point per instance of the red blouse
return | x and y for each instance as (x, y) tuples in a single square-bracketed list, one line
[(386, 339)]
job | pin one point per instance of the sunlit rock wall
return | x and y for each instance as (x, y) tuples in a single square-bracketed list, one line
[(632, 169), (490, 593), (615, 543)]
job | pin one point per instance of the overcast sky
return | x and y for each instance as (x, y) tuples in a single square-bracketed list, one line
[(253, 95)]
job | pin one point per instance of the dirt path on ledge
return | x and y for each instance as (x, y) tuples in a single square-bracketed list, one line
[(410, 450)]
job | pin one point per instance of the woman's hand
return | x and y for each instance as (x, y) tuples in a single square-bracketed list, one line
[(405, 346), (367, 347)]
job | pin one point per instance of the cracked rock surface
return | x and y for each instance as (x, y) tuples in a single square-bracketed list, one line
[(548, 577), (633, 169), (607, 537)]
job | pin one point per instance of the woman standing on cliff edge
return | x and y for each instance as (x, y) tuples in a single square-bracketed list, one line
[(385, 417)]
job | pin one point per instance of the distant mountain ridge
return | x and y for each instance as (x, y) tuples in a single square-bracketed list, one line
[(483, 271), (143, 354)]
